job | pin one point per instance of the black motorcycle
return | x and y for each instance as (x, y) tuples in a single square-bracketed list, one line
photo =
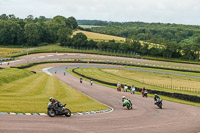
[(53, 110), (145, 93), (159, 103)]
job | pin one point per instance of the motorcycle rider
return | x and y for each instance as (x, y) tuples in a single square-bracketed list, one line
[(143, 89), (81, 80), (125, 87), (118, 86), (124, 99), (156, 97), (56, 102)]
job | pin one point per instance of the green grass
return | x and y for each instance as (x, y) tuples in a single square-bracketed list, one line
[(88, 26), (8, 75), (31, 94), (169, 71), (6, 51)]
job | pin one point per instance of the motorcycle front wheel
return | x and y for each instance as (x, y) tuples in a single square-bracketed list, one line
[(67, 112)]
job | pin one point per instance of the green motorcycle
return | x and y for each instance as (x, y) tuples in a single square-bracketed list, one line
[(127, 103)]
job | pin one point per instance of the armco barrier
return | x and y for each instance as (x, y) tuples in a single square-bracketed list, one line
[(185, 97)]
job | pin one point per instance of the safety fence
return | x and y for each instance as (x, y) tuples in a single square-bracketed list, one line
[(171, 86)]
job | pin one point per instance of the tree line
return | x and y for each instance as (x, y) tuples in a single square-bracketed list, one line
[(182, 41), (129, 46), (35, 31), (175, 41)]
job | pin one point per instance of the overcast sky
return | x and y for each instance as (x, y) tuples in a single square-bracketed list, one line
[(164, 11)]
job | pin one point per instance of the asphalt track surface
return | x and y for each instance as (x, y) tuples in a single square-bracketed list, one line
[(57, 56), (144, 117)]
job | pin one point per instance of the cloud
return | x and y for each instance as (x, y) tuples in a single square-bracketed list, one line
[(167, 11)]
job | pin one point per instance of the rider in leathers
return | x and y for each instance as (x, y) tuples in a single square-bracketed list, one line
[(56, 102), (123, 99), (156, 97)]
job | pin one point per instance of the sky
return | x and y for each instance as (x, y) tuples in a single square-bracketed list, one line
[(163, 11)]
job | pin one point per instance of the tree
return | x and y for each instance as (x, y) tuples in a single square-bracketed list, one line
[(71, 22), (135, 46), (42, 19), (11, 16), (169, 49), (10, 32), (102, 45), (64, 36), (4, 17), (144, 49), (80, 40), (60, 20), (111, 44), (197, 45), (31, 34), (188, 52), (29, 19)]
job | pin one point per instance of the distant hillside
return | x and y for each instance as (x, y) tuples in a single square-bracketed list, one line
[(152, 32), (92, 22), (177, 40), (98, 36)]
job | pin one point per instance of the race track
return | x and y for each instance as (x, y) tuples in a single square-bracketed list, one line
[(144, 117)]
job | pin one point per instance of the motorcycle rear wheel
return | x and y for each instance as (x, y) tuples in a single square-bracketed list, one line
[(129, 107), (160, 105), (51, 113)]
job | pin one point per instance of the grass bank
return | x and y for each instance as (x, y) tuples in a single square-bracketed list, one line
[(30, 93)]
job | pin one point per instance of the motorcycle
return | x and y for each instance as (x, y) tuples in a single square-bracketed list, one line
[(53, 110), (144, 94), (127, 103), (159, 103)]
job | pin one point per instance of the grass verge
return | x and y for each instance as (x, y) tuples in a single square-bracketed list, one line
[(31, 94)]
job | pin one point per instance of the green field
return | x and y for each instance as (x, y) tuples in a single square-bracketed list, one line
[(6, 51), (88, 26), (25, 92)]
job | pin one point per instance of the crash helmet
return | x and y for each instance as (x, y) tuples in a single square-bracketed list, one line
[(123, 97), (155, 94), (50, 99)]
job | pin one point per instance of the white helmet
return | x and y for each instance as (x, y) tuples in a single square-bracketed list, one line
[(50, 99), (123, 97), (155, 94)]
